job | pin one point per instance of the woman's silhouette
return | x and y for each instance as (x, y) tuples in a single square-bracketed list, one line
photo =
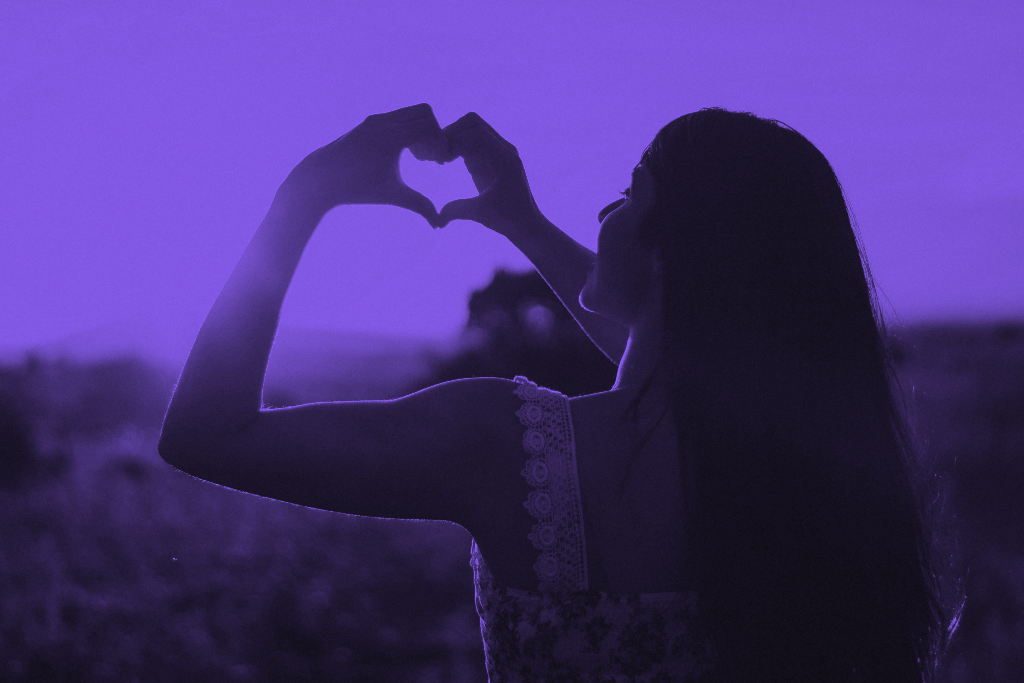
[(743, 504)]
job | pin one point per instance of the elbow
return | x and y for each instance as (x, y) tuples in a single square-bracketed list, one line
[(178, 443), (171, 445), (192, 447), (187, 455), (170, 449)]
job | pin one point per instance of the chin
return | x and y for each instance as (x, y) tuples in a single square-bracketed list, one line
[(585, 296), (588, 306), (591, 302)]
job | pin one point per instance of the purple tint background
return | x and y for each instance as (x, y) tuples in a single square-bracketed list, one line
[(142, 143)]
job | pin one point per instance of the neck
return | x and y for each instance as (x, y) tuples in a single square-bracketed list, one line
[(641, 357)]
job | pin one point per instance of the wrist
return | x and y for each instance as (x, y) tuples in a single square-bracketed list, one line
[(532, 234), (294, 202), (523, 226)]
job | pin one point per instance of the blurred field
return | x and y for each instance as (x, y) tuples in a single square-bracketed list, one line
[(116, 567)]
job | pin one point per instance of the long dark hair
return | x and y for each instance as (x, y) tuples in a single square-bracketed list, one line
[(808, 504)]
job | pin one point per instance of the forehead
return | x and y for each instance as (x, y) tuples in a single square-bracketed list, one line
[(642, 186), (641, 175)]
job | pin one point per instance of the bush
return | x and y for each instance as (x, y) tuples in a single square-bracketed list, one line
[(517, 326), (17, 451)]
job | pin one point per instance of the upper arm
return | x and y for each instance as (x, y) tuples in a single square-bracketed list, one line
[(415, 457)]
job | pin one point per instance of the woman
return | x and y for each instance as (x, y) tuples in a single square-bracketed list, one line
[(743, 504)]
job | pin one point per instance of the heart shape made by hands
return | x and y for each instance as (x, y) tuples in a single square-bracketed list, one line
[(439, 183)]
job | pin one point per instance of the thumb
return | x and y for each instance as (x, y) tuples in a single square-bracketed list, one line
[(460, 209), (408, 198)]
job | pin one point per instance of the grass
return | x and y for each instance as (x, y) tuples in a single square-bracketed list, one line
[(116, 567), (965, 392), (128, 570)]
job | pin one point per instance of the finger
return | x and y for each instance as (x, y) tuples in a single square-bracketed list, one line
[(459, 209), (472, 121), (417, 129), (465, 136), (434, 148), (410, 113), (485, 157), (426, 140), (504, 143), (472, 136), (408, 198)]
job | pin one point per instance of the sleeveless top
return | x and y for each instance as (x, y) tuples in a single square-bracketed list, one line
[(563, 631)]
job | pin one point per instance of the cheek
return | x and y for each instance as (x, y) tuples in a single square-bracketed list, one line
[(615, 286), (619, 272)]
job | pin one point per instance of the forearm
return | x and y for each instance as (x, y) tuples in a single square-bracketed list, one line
[(221, 386), (564, 264)]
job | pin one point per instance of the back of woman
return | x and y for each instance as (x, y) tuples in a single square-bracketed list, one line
[(729, 289)]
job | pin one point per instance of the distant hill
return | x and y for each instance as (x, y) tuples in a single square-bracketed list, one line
[(306, 365), (309, 365)]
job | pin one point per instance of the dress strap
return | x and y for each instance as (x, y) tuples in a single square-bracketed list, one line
[(555, 502)]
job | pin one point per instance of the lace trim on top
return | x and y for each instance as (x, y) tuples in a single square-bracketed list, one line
[(564, 631), (555, 502)]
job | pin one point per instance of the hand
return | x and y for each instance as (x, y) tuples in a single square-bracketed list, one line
[(505, 202), (362, 166)]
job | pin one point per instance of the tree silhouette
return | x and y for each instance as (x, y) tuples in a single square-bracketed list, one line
[(17, 452), (517, 326)]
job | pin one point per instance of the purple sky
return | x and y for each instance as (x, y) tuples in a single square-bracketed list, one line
[(141, 144)]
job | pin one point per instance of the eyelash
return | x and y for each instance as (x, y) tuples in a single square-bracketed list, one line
[(625, 193)]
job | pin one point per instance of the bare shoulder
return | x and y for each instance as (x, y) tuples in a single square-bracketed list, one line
[(604, 408), (476, 407)]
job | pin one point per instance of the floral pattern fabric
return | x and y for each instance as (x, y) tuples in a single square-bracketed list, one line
[(555, 502), (563, 632)]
